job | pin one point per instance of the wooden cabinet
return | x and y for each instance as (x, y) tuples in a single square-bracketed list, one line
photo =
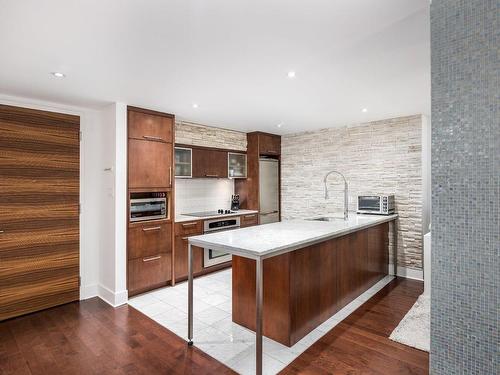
[(209, 163), (150, 164), (258, 144), (269, 144), (150, 149), (249, 220), (149, 127), (148, 239), (182, 232), (150, 169), (149, 272), (181, 258)]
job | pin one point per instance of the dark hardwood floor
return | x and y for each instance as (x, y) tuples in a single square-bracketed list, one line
[(90, 337), (360, 343)]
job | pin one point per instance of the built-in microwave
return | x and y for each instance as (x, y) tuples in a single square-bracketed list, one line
[(376, 204), (148, 206)]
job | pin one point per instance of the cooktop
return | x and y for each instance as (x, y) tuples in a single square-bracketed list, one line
[(211, 213)]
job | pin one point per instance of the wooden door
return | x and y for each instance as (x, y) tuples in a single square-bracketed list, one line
[(39, 210)]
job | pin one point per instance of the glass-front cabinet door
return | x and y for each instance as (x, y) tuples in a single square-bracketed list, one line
[(237, 165), (183, 162)]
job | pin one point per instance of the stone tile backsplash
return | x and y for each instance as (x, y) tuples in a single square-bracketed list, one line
[(189, 133), (381, 157)]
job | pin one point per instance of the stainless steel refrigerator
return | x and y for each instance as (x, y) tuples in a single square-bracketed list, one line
[(269, 190)]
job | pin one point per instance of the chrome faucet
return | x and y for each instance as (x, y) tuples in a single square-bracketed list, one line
[(346, 193)]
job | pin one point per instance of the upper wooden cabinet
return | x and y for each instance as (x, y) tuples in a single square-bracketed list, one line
[(149, 164), (209, 163), (150, 149), (149, 125), (269, 144)]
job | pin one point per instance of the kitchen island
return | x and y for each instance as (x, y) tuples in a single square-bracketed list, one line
[(289, 277)]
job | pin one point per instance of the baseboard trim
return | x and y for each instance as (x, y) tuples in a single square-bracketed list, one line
[(409, 273), (89, 291), (112, 298)]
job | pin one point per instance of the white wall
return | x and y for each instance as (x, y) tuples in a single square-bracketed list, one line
[(94, 140), (112, 257), (205, 194)]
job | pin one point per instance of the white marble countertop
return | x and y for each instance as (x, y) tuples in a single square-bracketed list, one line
[(268, 240), (184, 218)]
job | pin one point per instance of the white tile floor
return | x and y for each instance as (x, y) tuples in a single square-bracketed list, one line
[(214, 331)]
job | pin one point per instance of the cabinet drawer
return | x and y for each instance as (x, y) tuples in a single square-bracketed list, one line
[(149, 164), (149, 272), (149, 239), (189, 228), (269, 144), (149, 127), (249, 220)]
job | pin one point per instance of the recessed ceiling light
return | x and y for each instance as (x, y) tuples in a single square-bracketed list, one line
[(364, 110), (280, 125), (291, 74), (195, 105), (58, 74)]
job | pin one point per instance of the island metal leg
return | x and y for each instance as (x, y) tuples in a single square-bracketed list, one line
[(258, 325), (190, 295)]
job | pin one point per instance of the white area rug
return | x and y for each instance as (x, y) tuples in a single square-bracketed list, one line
[(414, 329)]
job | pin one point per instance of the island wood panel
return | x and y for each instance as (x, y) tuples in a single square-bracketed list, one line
[(39, 210), (276, 307), (305, 287)]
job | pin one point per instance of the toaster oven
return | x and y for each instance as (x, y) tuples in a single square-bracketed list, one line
[(376, 204), (153, 207)]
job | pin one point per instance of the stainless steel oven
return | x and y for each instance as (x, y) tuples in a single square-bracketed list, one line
[(376, 204), (149, 208), (213, 257)]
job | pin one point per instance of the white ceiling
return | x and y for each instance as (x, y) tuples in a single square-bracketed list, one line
[(231, 57)]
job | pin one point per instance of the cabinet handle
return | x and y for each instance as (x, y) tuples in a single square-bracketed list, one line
[(184, 238), (150, 229), (189, 225), (211, 175), (272, 152), (152, 138), (249, 216), (170, 174), (1, 231), (151, 258)]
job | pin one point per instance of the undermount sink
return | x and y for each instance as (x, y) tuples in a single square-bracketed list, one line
[(328, 218)]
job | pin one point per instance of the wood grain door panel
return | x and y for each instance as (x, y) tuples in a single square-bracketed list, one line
[(39, 210)]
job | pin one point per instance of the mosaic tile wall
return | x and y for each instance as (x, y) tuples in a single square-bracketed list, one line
[(465, 48), (380, 157)]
